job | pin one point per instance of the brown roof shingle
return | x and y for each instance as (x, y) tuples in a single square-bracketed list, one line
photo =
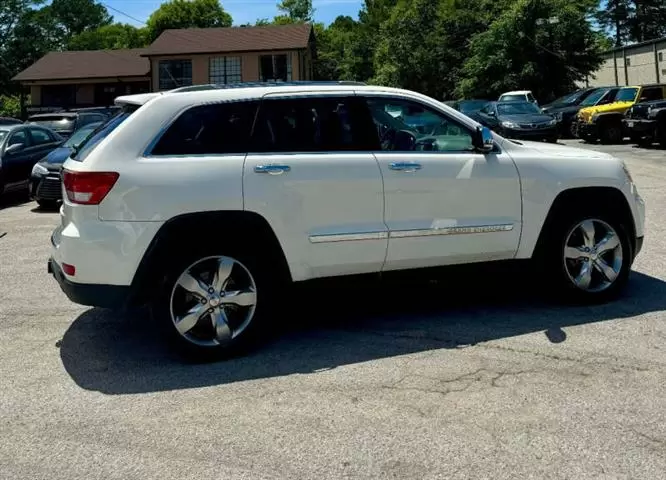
[(87, 64), (231, 39)]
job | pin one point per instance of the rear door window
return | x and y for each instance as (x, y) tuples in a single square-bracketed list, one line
[(19, 137), (209, 130), (321, 124), (39, 136)]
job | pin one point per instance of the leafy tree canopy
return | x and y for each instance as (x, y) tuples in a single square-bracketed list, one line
[(187, 14)]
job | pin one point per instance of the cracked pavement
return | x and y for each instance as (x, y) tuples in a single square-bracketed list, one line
[(462, 377)]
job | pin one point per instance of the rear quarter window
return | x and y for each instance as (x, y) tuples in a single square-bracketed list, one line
[(102, 132), (216, 129)]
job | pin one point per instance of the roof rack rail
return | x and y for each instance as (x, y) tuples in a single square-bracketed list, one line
[(214, 86)]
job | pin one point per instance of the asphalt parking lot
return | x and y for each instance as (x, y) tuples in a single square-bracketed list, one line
[(477, 380)]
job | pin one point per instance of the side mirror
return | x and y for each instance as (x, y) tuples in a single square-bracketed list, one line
[(16, 147), (483, 140)]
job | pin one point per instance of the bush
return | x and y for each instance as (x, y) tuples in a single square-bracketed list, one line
[(10, 106)]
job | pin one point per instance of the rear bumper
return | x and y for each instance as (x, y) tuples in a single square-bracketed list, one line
[(105, 296)]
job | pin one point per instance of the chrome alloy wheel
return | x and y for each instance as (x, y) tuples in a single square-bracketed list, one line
[(213, 301), (593, 255)]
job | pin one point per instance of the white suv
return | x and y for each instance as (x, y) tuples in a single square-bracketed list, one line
[(205, 203)]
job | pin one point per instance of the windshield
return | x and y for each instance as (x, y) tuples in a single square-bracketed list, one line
[(80, 135), (55, 122), (512, 98), (472, 106), (100, 134), (626, 95), (594, 97), (517, 108), (571, 98)]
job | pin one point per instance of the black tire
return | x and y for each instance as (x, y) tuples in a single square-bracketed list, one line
[(259, 329), (47, 204), (550, 256), (611, 133), (661, 134), (552, 139)]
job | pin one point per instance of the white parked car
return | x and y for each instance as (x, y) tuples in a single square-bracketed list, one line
[(518, 96), (205, 203)]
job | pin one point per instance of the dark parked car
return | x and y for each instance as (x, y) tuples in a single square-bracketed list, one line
[(566, 108), (10, 121), (66, 123), (645, 122), (45, 185), (21, 146), (519, 120)]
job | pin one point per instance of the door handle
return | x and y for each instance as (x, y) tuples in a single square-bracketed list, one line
[(272, 169), (405, 166)]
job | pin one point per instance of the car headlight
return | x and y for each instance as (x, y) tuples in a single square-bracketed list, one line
[(552, 122), (558, 116), (652, 112), (509, 125), (39, 169)]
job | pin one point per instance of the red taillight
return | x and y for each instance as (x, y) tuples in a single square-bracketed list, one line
[(88, 188), (69, 269)]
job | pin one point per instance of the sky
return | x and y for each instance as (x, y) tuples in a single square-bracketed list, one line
[(242, 11)]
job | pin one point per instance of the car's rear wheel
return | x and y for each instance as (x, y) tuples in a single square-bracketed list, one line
[(587, 258), (212, 305)]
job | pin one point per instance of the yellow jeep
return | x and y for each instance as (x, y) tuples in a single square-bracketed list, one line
[(604, 122)]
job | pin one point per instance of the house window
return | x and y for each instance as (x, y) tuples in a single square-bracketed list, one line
[(661, 56), (627, 61), (175, 73), (224, 70), (275, 68)]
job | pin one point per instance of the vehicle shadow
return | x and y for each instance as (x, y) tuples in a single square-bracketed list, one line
[(341, 324), (13, 199), (40, 209)]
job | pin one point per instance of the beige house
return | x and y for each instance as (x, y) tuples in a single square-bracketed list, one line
[(638, 64), (227, 55), (177, 58)]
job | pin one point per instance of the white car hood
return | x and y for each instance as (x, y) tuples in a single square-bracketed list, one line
[(554, 149)]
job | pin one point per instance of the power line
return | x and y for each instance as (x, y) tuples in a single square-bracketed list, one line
[(141, 22)]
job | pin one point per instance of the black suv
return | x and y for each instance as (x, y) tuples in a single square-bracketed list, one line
[(65, 123), (645, 122)]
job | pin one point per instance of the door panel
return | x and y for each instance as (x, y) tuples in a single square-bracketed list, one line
[(456, 208), (444, 202), (13, 165), (326, 210), (310, 179)]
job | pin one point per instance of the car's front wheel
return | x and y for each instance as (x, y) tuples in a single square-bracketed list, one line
[(212, 305), (587, 257)]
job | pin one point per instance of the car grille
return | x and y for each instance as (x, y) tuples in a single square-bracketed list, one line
[(532, 126), (50, 189)]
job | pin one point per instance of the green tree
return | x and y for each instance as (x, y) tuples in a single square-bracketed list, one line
[(297, 10), (76, 16), (546, 47), (648, 20), (335, 58), (10, 106), (187, 14), (614, 16), (109, 37)]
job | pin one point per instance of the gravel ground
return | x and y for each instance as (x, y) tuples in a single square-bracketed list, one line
[(478, 380)]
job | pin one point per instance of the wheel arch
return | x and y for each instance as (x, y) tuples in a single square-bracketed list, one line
[(610, 198), (250, 230)]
